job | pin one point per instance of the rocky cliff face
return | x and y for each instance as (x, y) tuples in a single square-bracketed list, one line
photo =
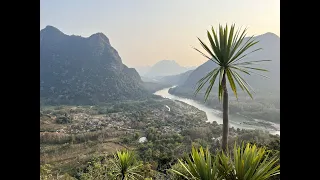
[(79, 70)]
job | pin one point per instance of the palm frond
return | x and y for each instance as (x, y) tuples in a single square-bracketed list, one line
[(206, 48), (253, 163), (243, 56), (240, 68), (237, 42), (205, 79), (249, 62), (213, 79), (201, 53), (213, 45), (259, 69), (242, 83), (244, 47), (201, 166), (216, 45), (225, 166), (231, 82), (230, 40)]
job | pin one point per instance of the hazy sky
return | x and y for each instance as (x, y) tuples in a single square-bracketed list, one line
[(146, 31)]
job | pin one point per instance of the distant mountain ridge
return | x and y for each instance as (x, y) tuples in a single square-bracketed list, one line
[(166, 68), (74, 69), (142, 70), (176, 79)]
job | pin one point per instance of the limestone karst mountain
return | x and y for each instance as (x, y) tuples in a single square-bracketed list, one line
[(75, 69)]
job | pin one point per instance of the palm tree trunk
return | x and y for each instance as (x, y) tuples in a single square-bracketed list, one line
[(225, 107)]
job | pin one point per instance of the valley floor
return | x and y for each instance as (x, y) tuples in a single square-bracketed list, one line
[(71, 136)]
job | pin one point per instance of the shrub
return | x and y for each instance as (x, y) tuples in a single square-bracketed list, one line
[(63, 120), (45, 172)]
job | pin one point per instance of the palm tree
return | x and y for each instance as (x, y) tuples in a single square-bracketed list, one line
[(126, 166), (227, 51)]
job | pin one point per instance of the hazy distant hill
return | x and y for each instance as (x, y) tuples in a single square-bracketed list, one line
[(166, 68), (176, 79), (151, 79), (74, 69), (142, 70), (271, 50)]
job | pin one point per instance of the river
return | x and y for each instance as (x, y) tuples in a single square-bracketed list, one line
[(235, 120)]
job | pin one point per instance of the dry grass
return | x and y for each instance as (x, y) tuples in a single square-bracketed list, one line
[(61, 138), (68, 157)]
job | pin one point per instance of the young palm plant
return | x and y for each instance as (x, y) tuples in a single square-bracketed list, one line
[(126, 166), (228, 50), (248, 162), (201, 166)]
